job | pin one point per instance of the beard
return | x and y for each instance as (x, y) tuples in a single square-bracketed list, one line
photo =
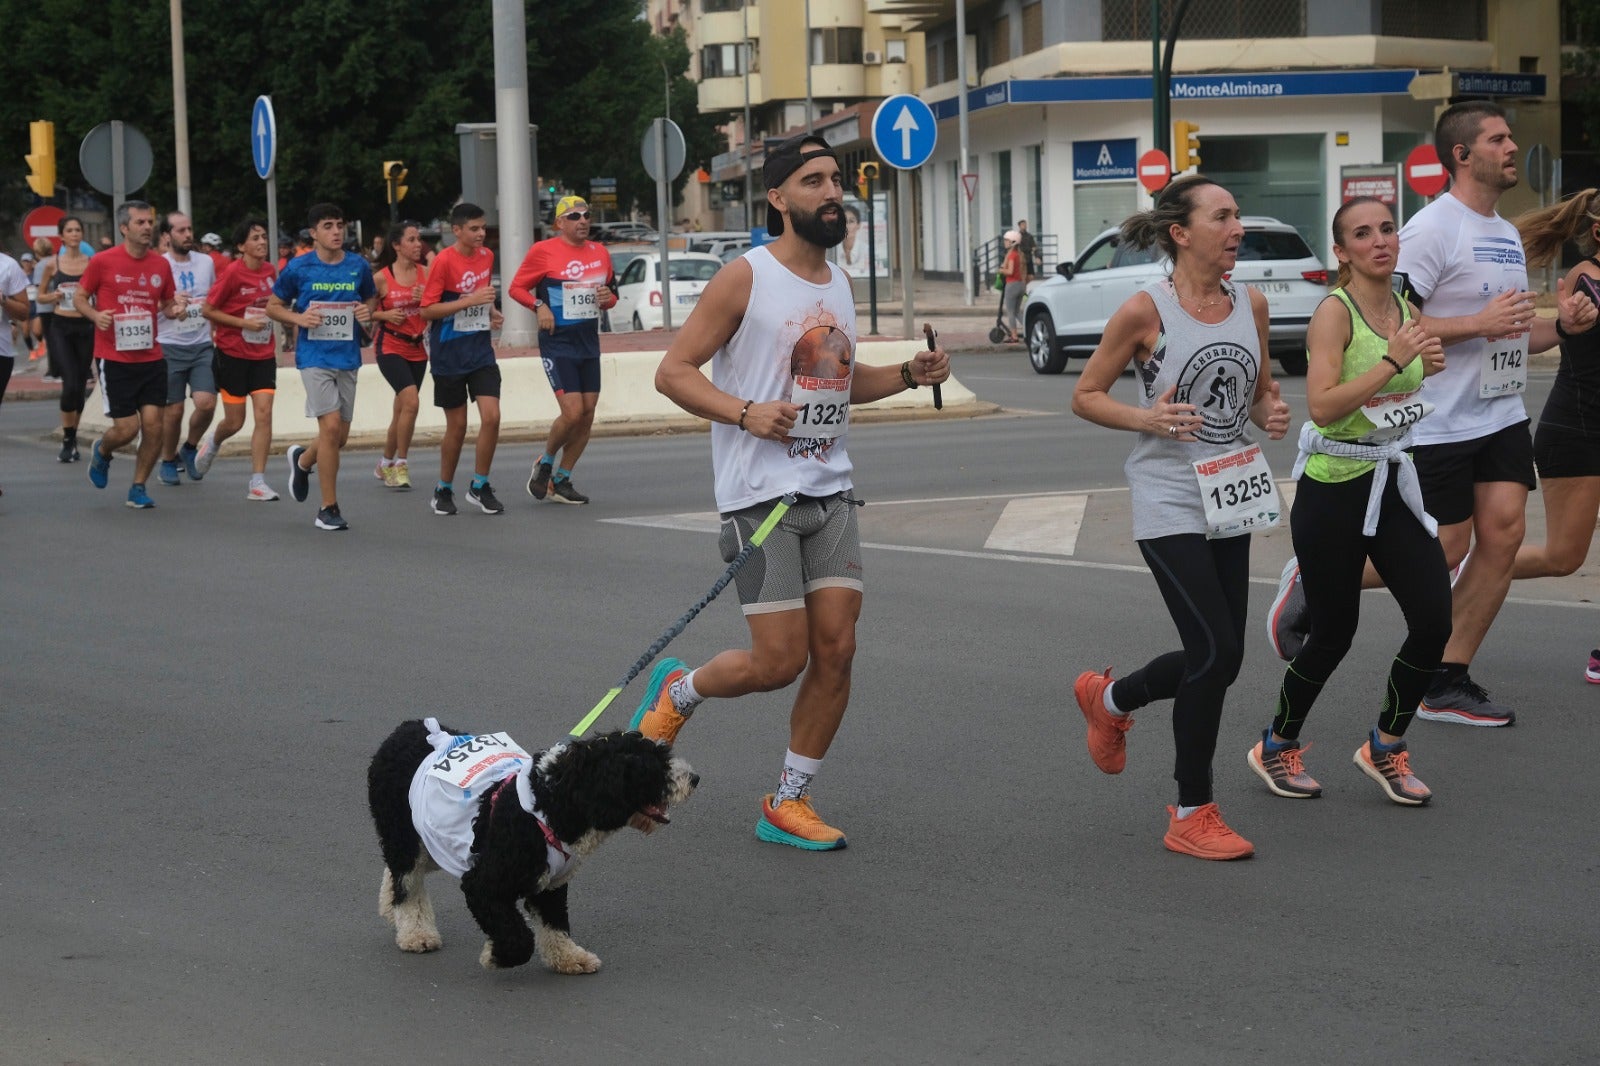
[(813, 228)]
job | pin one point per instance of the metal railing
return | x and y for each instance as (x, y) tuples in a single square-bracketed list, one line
[(987, 257)]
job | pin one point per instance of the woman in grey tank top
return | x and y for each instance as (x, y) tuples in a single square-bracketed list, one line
[(1198, 346)]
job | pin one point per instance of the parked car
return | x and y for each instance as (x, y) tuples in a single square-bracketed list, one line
[(613, 232), (639, 288), (1065, 315)]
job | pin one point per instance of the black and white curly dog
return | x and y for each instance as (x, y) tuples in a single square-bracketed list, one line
[(512, 825)]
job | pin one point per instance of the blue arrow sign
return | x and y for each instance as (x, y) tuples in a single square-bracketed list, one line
[(904, 131), (263, 137)]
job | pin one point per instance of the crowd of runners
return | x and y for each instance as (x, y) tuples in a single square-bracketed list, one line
[(1413, 469), (161, 324)]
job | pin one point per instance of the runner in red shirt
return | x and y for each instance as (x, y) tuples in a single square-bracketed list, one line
[(247, 365), (402, 357), (567, 281), (121, 292)]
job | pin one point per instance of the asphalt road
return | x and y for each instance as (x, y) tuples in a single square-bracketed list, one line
[(191, 694)]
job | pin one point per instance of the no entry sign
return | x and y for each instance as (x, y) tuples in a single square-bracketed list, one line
[(1155, 170), (1424, 173)]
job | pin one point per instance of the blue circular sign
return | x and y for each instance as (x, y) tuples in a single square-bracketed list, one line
[(904, 131), (263, 137)]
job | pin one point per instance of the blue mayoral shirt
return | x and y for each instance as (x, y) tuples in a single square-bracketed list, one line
[(307, 280)]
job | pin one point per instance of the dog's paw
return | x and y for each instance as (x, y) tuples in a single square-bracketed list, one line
[(569, 958), (486, 957), (419, 941)]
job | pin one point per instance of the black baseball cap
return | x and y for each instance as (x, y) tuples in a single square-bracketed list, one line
[(783, 161)]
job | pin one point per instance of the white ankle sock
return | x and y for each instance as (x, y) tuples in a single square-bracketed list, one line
[(1105, 698), (1184, 812), (798, 770), (684, 697)]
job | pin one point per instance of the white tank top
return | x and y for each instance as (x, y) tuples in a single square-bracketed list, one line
[(792, 329)]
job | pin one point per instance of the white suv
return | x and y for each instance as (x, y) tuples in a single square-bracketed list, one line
[(1065, 315)]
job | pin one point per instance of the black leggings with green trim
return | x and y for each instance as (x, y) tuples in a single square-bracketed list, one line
[(1326, 522)]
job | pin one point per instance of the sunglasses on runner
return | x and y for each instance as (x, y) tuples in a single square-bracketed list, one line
[(575, 216)]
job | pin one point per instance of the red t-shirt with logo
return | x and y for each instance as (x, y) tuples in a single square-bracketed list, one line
[(239, 289), (134, 290), (458, 347)]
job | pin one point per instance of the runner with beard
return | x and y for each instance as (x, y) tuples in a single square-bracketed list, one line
[(778, 326)]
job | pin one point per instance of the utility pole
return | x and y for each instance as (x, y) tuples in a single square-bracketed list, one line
[(965, 206), (180, 116), (513, 158)]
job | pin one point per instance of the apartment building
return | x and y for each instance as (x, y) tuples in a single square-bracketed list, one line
[(1292, 98), (790, 64)]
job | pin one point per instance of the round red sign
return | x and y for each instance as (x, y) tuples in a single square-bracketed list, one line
[(1424, 173), (43, 222), (1155, 170)]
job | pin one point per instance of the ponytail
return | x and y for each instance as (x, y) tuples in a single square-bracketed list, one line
[(1173, 207), (1545, 230)]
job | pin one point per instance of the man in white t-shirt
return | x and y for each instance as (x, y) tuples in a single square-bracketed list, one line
[(14, 307), (1464, 267), (186, 341), (778, 327)]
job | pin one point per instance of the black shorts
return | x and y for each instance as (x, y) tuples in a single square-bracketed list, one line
[(452, 390), (402, 373), (1449, 472), (129, 386), (572, 375), (1559, 451), (237, 378)]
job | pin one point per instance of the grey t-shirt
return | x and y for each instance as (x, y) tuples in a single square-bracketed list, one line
[(1214, 367)]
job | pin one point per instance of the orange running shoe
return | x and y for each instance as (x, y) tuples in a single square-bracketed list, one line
[(796, 823), (1205, 835), (1107, 740), (1392, 771), (657, 717)]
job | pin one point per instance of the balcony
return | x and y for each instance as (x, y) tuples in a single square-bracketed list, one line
[(727, 94), (848, 81), (720, 27)]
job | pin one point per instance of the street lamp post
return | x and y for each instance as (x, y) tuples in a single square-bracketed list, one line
[(811, 126), (749, 208)]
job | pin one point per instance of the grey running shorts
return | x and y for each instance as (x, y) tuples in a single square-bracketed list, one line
[(816, 545)]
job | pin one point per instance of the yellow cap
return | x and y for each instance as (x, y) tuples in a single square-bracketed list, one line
[(571, 203)]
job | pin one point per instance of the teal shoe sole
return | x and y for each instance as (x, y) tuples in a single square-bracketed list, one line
[(765, 830), (658, 679)]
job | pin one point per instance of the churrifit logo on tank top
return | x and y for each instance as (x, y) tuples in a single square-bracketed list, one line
[(820, 360), (1219, 379)]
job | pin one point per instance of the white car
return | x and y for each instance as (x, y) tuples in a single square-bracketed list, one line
[(639, 288), (1065, 315)]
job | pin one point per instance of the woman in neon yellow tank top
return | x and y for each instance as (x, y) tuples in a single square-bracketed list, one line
[(1357, 498)]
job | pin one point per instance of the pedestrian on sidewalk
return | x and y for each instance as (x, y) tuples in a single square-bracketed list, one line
[(1014, 271)]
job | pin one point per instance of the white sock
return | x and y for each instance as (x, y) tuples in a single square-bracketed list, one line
[(1105, 698), (798, 770), (399, 462), (258, 479), (684, 698), (1184, 812), (386, 462)]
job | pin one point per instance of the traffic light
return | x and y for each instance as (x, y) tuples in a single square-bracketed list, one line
[(866, 174), (42, 160), (1185, 146), (394, 175)]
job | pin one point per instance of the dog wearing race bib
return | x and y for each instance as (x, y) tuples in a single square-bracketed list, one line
[(514, 826)]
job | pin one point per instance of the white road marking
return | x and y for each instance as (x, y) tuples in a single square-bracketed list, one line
[(1045, 524)]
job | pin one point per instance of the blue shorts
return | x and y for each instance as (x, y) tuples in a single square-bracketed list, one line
[(572, 375)]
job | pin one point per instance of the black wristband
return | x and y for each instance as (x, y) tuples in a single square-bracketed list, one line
[(1398, 369), (743, 412), (905, 375), (1561, 330)]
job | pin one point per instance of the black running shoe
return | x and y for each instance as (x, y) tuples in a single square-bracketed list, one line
[(485, 498), (1463, 702), (68, 453), (330, 519), (539, 481), (299, 478), (444, 501), (564, 491)]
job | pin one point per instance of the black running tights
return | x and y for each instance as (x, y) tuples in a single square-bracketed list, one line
[(1205, 584), (1326, 521), (74, 348)]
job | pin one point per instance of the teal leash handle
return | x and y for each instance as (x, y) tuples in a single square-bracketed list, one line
[(660, 643)]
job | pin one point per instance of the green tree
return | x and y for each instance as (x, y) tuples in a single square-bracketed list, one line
[(352, 84)]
